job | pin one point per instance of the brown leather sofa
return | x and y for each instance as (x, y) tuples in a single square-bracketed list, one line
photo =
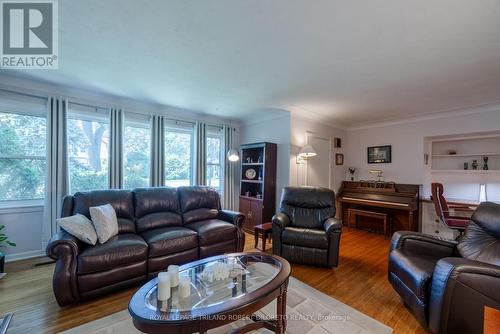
[(306, 230), (445, 283), (157, 227)]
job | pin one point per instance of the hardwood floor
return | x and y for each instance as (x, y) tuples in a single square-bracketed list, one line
[(360, 281)]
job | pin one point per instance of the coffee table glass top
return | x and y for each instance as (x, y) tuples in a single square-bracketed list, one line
[(247, 273)]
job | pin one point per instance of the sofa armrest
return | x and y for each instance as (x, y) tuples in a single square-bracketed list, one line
[(460, 290), (63, 243), (64, 248), (332, 225), (232, 217), (281, 220), (423, 243)]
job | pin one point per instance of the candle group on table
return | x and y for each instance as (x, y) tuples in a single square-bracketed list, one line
[(170, 279)]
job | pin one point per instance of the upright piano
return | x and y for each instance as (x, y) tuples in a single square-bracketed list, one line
[(400, 201)]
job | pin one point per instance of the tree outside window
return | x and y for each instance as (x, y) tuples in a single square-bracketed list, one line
[(178, 157), (136, 154), (88, 146), (22, 156), (213, 161)]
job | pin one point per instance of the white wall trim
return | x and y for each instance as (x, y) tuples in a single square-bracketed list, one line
[(24, 255), (474, 109)]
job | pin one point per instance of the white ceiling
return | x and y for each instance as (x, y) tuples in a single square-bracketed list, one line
[(343, 62)]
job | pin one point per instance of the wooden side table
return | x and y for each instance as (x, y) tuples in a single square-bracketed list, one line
[(264, 230)]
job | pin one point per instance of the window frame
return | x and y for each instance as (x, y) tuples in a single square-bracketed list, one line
[(135, 122), (12, 104), (215, 132), (186, 129), (83, 113)]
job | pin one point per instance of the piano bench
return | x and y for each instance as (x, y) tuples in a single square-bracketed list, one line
[(354, 213)]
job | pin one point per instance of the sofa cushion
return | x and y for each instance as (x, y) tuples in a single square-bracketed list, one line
[(414, 271), (80, 227), (168, 240), (213, 231), (120, 250), (105, 221), (156, 207), (120, 200), (305, 237), (198, 203)]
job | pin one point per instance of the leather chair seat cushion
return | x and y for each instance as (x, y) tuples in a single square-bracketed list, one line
[(168, 240), (213, 231), (414, 271), (120, 250), (305, 237)]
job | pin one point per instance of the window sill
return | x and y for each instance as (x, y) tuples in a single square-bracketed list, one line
[(21, 205)]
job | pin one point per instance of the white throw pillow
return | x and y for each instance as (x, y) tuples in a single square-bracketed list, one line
[(80, 227), (105, 222)]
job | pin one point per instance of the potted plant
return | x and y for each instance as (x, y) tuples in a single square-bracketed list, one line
[(4, 242)]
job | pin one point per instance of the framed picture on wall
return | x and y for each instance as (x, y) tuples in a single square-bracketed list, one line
[(380, 154), (339, 159)]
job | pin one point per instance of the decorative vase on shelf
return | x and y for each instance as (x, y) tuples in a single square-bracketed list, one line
[(466, 165), (474, 164), (485, 167)]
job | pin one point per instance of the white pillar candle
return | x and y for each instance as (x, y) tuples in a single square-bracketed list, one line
[(184, 287), (173, 271), (163, 286)]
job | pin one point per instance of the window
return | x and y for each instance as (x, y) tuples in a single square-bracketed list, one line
[(22, 156), (213, 159), (88, 151), (178, 156), (136, 155)]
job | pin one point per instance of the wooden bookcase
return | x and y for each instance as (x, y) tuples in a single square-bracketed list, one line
[(258, 193)]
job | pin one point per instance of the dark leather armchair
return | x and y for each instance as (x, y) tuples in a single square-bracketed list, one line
[(306, 230), (445, 283)]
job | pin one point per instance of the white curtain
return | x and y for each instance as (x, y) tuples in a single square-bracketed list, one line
[(157, 151), (117, 124), (230, 197), (57, 160), (201, 153)]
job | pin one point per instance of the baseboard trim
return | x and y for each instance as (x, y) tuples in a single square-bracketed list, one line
[(24, 255)]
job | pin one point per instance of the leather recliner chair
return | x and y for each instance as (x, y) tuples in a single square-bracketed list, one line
[(445, 283), (157, 227), (306, 230)]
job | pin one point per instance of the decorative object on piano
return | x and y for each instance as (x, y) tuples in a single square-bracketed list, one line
[(474, 164), (339, 159), (250, 174), (352, 171), (485, 167), (466, 165), (379, 154), (305, 153), (452, 152), (378, 173), (337, 142)]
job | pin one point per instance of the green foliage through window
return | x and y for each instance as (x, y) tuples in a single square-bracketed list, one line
[(22, 156), (136, 153)]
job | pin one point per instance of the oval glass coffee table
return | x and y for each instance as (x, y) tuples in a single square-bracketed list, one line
[(255, 280)]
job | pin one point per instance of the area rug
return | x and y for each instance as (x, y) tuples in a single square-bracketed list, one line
[(308, 311), (4, 323)]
